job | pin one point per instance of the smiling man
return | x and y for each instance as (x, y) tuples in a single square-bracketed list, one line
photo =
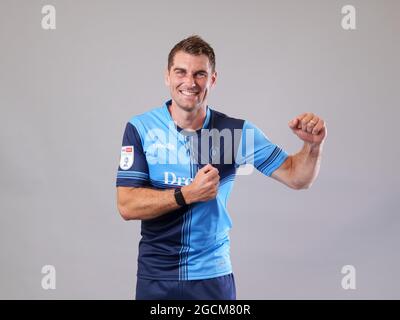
[(177, 167)]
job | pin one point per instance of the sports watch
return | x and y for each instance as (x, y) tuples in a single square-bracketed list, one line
[(180, 200)]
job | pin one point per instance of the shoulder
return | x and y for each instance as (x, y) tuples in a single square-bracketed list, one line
[(222, 120), (146, 118), (154, 119)]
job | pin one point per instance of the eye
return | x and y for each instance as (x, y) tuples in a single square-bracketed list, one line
[(201, 75)]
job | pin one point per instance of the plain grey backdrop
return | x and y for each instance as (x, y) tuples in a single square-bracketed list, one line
[(66, 95)]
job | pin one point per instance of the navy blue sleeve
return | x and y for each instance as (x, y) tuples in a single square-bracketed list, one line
[(133, 170)]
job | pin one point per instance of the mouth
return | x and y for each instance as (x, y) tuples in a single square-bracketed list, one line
[(189, 93)]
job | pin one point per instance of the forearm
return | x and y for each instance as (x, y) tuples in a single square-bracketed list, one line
[(146, 203), (305, 165)]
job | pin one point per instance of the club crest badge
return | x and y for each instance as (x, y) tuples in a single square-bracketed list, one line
[(126, 160)]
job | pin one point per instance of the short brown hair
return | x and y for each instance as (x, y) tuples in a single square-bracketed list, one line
[(194, 45)]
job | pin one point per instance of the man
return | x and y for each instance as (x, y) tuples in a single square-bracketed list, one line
[(176, 172)]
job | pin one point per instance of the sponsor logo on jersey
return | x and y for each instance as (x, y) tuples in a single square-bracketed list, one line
[(172, 178)]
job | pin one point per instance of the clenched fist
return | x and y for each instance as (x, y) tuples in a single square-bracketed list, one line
[(204, 186), (309, 127)]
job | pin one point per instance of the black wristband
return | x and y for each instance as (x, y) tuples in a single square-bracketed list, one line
[(180, 200)]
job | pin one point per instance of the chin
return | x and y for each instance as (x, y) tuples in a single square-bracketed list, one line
[(187, 106)]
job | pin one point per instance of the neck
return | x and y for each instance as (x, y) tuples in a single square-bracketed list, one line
[(188, 120)]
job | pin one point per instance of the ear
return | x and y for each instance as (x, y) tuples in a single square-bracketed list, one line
[(213, 79), (166, 77)]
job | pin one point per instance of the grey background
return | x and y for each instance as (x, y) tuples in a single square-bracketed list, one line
[(66, 95)]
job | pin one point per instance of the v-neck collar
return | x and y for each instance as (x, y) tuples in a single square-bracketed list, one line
[(179, 129)]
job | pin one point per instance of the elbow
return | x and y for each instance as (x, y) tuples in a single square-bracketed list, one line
[(304, 187), (301, 185), (125, 213), (126, 207)]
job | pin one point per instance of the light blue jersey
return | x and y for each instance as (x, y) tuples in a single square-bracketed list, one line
[(192, 242)]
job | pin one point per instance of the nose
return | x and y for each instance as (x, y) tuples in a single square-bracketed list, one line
[(189, 81)]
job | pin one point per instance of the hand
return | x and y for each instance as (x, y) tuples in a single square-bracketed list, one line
[(309, 128), (204, 186)]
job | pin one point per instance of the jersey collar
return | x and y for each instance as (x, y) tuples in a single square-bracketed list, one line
[(205, 123)]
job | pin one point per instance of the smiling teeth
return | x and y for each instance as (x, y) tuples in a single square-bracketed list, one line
[(188, 93)]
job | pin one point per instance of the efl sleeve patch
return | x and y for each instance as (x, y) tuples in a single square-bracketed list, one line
[(133, 170), (127, 158)]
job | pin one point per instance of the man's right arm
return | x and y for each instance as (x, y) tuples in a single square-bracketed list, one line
[(139, 203), (144, 203)]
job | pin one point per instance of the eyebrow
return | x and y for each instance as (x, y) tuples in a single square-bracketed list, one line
[(183, 69)]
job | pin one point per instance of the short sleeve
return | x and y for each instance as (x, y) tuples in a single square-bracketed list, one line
[(258, 150), (133, 170)]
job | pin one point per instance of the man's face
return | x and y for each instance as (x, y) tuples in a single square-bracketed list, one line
[(189, 79)]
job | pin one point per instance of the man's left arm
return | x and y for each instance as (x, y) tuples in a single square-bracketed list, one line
[(300, 170)]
